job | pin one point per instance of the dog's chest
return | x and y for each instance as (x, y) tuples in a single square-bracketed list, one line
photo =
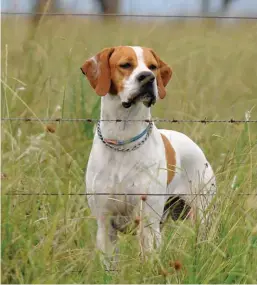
[(125, 171)]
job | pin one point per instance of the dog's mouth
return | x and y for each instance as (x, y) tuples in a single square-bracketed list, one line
[(147, 98)]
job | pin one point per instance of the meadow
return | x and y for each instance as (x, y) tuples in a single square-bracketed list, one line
[(51, 239)]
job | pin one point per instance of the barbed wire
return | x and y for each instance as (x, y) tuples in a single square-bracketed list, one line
[(155, 120), (121, 194), (131, 15)]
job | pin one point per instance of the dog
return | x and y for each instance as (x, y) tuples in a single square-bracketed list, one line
[(132, 156)]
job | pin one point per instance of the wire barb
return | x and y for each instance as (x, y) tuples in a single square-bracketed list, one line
[(156, 120), (129, 15)]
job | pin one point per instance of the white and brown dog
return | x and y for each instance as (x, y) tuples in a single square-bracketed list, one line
[(133, 156)]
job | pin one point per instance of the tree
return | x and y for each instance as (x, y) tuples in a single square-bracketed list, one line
[(44, 6), (206, 5), (109, 6)]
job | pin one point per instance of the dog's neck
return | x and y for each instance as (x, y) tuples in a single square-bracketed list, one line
[(112, 109)]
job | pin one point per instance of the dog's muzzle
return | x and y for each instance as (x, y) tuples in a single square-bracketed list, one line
[(145, 93), (147, 98)]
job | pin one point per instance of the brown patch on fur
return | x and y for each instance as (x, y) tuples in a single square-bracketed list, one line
[(163, 72), (150, 59), (104, 72), (170, 157), (97, 71), (121, 55)]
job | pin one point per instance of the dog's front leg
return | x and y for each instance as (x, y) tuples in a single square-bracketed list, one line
[(149, 232), (106, 242), (149, 238)]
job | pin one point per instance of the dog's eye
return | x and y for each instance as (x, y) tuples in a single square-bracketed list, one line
[(152, 67), (125, 65)]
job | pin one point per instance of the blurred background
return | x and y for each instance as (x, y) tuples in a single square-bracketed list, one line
[(231, 7)]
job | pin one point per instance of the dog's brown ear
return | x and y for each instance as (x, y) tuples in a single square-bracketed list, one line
[(164, 74), (97, 71)]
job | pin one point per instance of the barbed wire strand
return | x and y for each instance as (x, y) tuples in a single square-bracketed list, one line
[(156, 120), (130, 15), (120, 194)]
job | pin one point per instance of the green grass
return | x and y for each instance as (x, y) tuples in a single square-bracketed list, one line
[(49, 239)]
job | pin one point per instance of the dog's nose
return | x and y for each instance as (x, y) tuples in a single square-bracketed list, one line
[(145, 77)]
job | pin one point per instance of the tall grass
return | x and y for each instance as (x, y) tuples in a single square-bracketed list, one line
[(51, 239)]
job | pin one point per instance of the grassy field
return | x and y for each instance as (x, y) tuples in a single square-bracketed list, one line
[(51, 239)]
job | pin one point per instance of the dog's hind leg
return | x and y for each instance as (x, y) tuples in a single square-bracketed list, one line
[(106, 242)]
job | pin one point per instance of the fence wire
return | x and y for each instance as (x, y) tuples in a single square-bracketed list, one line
[(204, 121), (131, 15), (123, 194), (155, 120)]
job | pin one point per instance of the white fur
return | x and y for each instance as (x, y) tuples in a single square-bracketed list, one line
[(140, 171), (131, 84)]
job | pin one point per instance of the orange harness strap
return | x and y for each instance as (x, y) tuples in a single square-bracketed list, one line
[(170, 158)]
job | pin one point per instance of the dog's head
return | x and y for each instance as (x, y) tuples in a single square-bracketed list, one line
[(135, 74)]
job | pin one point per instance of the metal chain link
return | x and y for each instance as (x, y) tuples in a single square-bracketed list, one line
[(124, 149)]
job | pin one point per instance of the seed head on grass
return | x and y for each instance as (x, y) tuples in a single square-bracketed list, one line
[(144, 197), (177, 265), (50, 128), (3, 176), (137, 220)]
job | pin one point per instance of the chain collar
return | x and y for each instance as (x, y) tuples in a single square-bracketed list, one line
[(114, 147)]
